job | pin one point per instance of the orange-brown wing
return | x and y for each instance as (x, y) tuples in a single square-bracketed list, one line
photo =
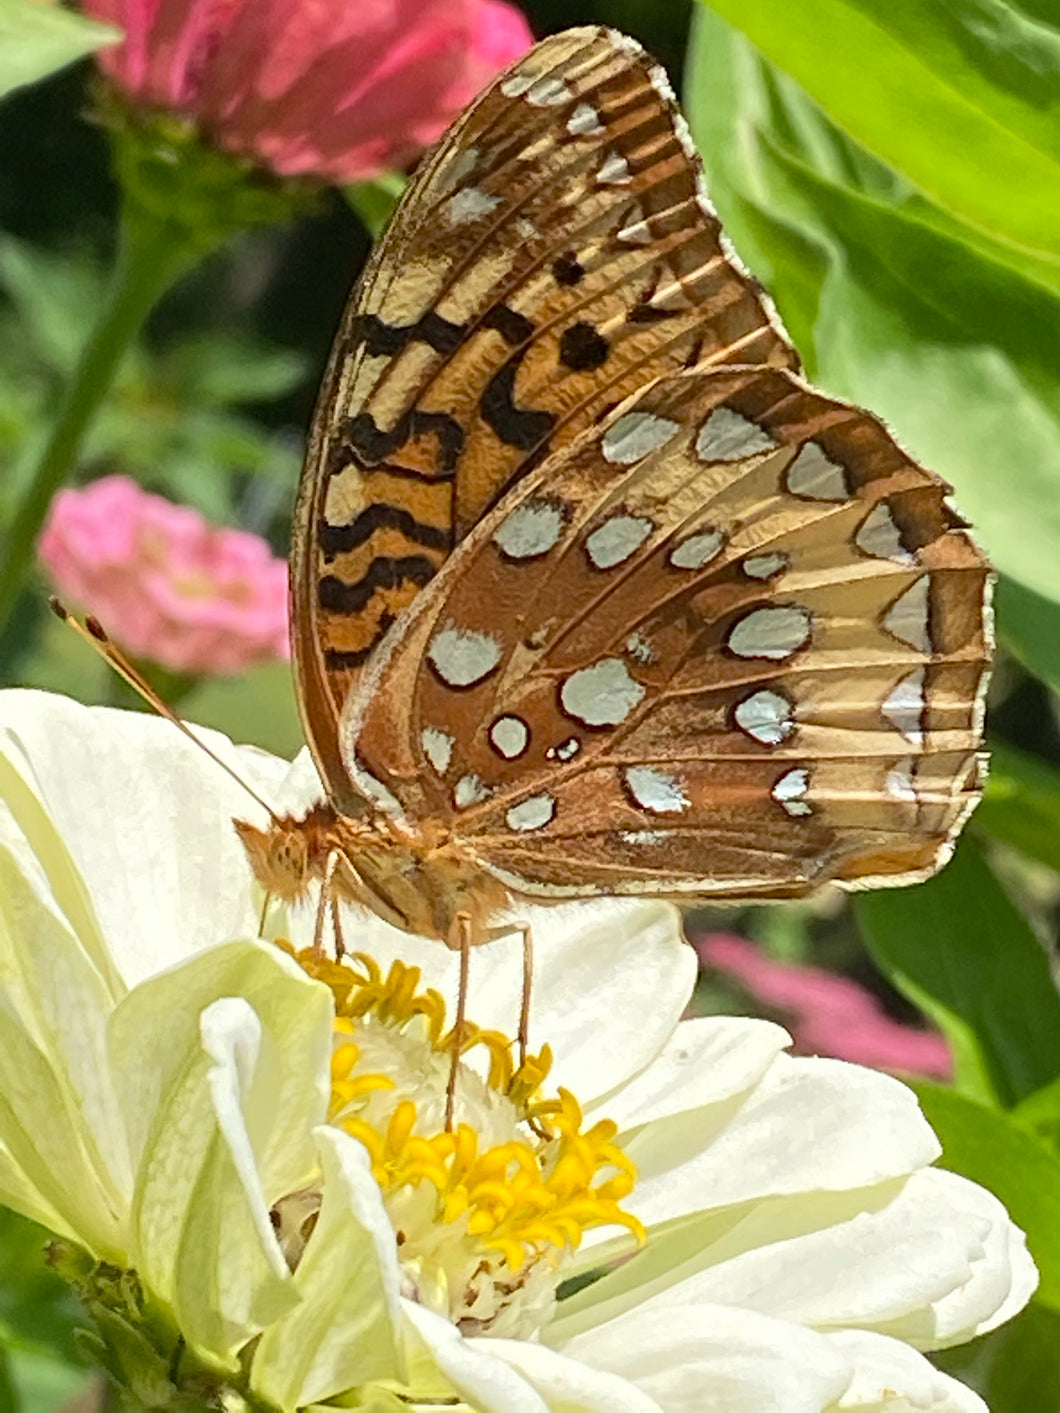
[(732, 641), (554, 253)]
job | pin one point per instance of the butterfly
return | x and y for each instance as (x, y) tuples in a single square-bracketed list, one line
[(591, 592)]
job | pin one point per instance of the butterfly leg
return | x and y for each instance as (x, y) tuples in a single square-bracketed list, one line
[(523, 1037), (462, 922), (264, 914), (327, 896), (336, 924)]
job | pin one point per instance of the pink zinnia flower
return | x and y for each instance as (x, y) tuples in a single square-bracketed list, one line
[(827, 1014), (341, 89), (165, 583)]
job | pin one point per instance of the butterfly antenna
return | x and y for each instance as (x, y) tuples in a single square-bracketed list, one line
[(95, 635)]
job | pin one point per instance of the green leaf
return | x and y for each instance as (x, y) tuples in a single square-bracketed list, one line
[(961, 951), (9, 1398), (992, 1149), (44, 1384), (258, 706), (1021, 804), (1029, 626), (1015, 1367), (727, 99), (955, 347), (54, 297), (37, 39), (38, 1320), (898, 330), (216, 370), (1040, 1114), (959, 95), (374, 201)]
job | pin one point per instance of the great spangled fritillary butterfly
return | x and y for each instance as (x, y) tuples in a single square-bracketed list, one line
[(591, 593)]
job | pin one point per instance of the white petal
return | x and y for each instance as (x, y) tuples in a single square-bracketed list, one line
[(59, 1117), (44, 1138), (588, 999), (35, 844), (299, 787), (168, 1007), (203, 1231), (568, 1385), (223, 1124), (705, 1061), (489, 1385), (592, 962), (240, 1075), (1001, 1275), (18, 1193), (709, 1359), (819, 1261), (889, 1377), (823, 1141), (147, 819), (344, 1332), (812, 1124)]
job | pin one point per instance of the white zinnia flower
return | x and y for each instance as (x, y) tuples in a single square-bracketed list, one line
[(178, 1101)]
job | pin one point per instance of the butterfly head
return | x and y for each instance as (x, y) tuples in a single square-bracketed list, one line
[(281, 856), (418, 881)]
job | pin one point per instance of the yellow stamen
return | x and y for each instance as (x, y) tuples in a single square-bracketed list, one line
[(516, 1201)]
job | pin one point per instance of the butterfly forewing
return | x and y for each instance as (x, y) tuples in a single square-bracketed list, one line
[(730, 640), (555, 254)]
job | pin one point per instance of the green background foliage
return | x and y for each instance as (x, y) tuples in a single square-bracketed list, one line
[(890, 170)]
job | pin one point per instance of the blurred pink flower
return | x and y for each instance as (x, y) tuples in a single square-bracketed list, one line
[(165, 583), (341, 89), (827, 1014)]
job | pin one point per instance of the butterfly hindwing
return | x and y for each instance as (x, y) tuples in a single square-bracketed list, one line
[(555, 253), (730, 640)]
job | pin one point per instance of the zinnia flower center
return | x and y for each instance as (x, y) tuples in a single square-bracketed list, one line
[(488, 1214)]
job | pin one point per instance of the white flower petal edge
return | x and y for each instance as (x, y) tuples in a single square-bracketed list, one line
[(145, 817), (706, 1060), (568, 1384), (744, 1363), (489, 1385), (592, 962), (916, 1256), (938, 1260), (845, 1127), (1001, 1275), (330, 1342), (226, 1276), (220, 1109), (59, 1120), (889, 1377)]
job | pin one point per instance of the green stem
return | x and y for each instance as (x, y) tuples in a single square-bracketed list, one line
[(151, 256)]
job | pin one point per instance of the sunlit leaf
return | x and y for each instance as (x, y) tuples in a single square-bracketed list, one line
[(1040, 1113), (38, 39), (1021, 804), (992, 1149), (956, 348), (1029, 626), (959, 95), (959, 948)]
